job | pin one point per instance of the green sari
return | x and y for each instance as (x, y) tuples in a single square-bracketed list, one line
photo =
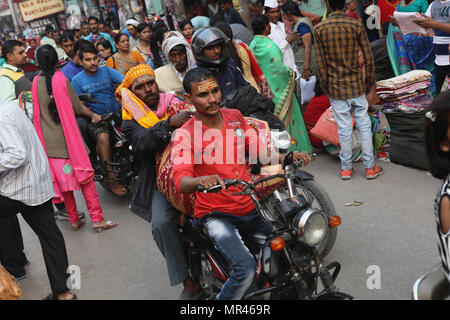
[(281, 80)]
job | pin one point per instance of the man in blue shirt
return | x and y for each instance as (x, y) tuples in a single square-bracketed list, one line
[(100, 82), (95, 35), (70, 47)]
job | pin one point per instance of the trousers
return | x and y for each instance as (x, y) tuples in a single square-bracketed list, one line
[(12, 256), (41, 220), (341, 111), (90, 194)]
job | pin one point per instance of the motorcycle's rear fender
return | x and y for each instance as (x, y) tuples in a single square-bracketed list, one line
[(303, 175)]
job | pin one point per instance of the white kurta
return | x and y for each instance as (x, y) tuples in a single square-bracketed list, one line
[(278, 35)]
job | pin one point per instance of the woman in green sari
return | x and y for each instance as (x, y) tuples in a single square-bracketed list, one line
[(281, 80)]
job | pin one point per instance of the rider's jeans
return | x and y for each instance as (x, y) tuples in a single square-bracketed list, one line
[(341, 111), (225, 231)]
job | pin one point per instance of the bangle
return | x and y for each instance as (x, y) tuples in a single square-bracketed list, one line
[(93, 116)]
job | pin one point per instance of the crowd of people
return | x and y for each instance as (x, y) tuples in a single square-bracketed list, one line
[(156, 74)]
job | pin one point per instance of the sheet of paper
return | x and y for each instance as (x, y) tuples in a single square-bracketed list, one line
[(407, 25)]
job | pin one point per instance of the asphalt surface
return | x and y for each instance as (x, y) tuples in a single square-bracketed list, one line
[(383, 245)]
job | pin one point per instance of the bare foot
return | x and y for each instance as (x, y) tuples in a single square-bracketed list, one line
[(77, 225), (117, 188), (66, 296)]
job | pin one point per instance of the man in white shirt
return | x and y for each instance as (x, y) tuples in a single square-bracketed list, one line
[(279, 36), (26, 186)]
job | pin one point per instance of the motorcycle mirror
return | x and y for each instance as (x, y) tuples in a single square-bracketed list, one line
[(288, 160), (87, 97)]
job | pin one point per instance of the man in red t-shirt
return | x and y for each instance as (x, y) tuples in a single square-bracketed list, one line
[(209, 148)]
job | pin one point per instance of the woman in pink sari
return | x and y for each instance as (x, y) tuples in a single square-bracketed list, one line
[(55, 106)]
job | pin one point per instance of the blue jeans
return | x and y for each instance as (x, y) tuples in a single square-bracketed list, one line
[(224, 230), (341, 112)]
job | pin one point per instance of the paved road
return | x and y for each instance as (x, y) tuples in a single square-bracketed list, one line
[(393, 230)]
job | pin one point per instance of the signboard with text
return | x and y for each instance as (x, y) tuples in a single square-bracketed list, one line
[(37, 27), (36, 9)]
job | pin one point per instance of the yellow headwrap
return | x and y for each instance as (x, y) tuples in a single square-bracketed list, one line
[(133, 107)]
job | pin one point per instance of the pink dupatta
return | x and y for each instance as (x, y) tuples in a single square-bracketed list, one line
[(78, 157)]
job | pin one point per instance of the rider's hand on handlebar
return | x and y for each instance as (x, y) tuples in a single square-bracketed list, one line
[(210, 181), (176, 121), (96, 118), (298, 156)]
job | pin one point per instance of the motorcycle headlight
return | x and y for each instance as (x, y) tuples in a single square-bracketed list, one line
[(281, 139), (311, 226)]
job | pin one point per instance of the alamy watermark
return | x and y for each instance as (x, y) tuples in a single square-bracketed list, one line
[(74, 280), (374, 279)]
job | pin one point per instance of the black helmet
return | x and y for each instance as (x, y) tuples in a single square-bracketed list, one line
[(206, 37)]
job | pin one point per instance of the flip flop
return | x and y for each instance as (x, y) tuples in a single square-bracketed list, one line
[(108, 225)]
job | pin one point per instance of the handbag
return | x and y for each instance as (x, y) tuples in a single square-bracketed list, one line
[(326, 129), (307, 89), (9, 288)]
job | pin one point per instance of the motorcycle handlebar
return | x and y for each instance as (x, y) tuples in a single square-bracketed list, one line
[(231, 182)]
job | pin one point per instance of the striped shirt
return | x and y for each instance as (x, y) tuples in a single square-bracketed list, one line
[(24, 169), (338, 40), (443, 238), (440, 11)]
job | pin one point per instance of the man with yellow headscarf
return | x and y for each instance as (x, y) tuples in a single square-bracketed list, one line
[(150, 117)]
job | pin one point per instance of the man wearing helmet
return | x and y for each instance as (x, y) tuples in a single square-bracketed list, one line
[(209, 46)]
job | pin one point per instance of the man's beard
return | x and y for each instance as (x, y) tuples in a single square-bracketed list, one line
[(181, 66), (154, 97)]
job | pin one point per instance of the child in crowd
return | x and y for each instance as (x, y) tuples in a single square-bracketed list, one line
[(187, 29), (437, 132)]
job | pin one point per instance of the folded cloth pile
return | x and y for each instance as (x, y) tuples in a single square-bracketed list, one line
[(406, 86), (406, 92)]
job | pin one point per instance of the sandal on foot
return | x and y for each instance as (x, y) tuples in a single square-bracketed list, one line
[(108, 225), (80, 224)]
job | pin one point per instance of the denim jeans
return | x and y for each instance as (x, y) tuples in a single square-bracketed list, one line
[(225, 231), (341, 112)]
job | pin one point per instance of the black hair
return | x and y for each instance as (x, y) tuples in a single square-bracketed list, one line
[(83, 23), (225, 28), (106, 44), (141, 26), (216, 18), (259, 24), (179, 48), (197, 74), (185, 22), (436, 133), (92, 18), (86, 47), (291, 7), (49, 28), (79, 43), (8, 47), (48, 59), (118, 36), (224, 2), (66, 36), (157, 36), (336, 4)]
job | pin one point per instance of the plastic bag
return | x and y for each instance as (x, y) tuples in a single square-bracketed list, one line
[(307, 89)]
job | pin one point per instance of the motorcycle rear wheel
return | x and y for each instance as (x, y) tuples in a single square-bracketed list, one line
[(319, 199)]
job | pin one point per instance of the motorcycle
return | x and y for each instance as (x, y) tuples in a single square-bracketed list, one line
[(432, 285), (290, 262), (124, 163)]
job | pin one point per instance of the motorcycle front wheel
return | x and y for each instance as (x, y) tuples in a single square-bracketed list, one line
[(319, 199)]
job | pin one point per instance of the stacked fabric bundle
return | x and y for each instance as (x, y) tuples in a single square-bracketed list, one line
[(405, 92)]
